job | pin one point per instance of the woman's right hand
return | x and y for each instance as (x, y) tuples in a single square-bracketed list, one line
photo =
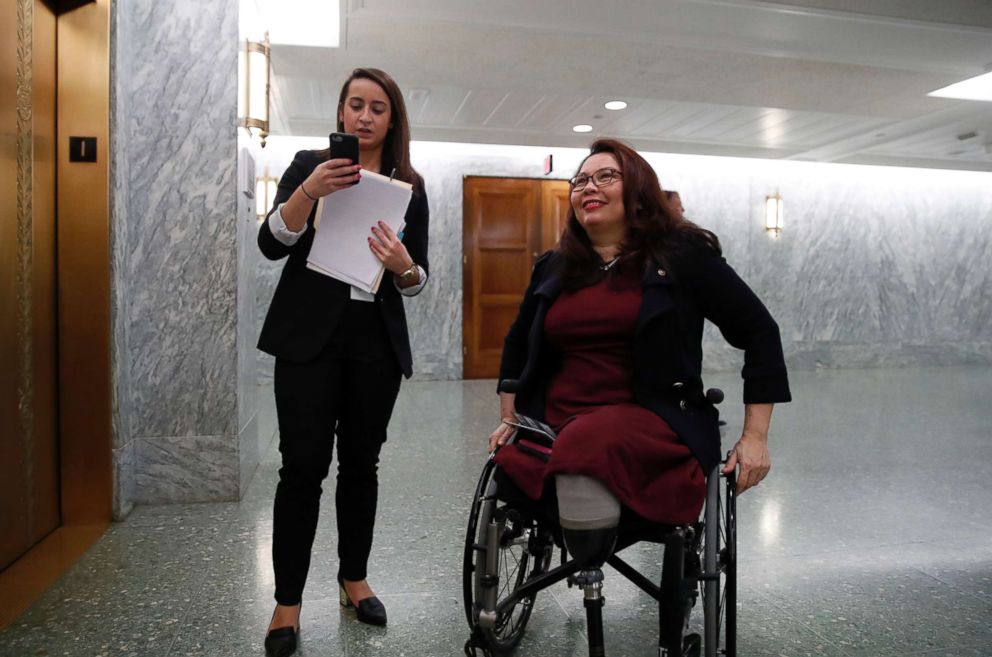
[(330, 176), (499, 437)]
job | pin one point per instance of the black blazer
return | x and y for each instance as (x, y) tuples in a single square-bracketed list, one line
[(307, 305), (668, 354)]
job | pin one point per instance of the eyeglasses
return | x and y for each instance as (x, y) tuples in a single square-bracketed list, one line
[(601, 177)]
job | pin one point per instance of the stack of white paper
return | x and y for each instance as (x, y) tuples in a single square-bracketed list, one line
[(344, 223)]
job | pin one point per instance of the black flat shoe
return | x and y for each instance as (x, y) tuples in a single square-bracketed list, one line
[(280, 642), (369, 610)]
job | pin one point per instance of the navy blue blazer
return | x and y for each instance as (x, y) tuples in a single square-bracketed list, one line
[(668, 354), (306, 305)]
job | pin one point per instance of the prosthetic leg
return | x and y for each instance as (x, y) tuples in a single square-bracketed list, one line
[(589, 515)]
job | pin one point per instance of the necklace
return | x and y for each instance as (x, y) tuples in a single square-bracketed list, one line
[(606, 266)]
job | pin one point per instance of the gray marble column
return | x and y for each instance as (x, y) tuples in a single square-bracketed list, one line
[(182, 420)]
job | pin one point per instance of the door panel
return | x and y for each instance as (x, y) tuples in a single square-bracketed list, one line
[(501, 232), (46, 467), (29, 469), (554, 203), (13, 515), (508, 223), (84, 293)]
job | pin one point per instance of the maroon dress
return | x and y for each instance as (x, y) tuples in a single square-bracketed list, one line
[(602, 433)]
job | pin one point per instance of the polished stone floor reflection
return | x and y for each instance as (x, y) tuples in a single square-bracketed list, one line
[(871, 537)]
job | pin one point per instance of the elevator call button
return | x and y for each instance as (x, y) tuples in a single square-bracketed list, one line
[(82, 149)]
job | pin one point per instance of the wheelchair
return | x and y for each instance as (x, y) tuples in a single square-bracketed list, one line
[(509, 558)]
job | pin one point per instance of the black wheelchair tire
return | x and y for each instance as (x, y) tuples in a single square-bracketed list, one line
[(720, 619), (510, 627)]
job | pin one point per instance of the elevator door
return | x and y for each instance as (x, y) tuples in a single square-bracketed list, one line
[(29, 467)]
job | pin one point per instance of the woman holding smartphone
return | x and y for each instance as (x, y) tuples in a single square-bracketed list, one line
[(340, 352)]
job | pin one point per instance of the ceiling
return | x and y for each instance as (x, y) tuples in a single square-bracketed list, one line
[(818, 80)]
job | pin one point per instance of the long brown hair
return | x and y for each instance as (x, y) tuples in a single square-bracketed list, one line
[(654, 228), (396, 147)]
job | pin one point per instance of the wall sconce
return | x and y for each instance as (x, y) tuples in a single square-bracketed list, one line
[(773, 214), (253, 101), (265, 193)]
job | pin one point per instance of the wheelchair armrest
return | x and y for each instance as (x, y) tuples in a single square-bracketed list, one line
[(532, 425), (509, 385)]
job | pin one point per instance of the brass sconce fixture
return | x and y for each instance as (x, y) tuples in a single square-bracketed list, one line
[(253, 100), (773, 214)]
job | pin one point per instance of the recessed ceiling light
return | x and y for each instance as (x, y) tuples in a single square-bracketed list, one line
[(976, 88), (615, 105), (582, 127)]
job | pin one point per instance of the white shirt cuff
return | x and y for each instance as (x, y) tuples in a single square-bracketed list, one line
[(361, 295), (279, 229), (413, 289)]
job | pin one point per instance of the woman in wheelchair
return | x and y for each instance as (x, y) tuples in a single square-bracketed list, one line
[(607, 350)]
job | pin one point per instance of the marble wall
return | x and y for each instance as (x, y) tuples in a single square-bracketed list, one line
[(249, 445), (876, 266), (181, 418)]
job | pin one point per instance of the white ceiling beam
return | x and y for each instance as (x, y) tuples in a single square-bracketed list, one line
[(851, 146)]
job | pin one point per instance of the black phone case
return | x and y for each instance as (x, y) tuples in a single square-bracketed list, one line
[(344, 146)]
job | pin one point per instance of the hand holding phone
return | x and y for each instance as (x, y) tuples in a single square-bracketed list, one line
[(327, 178)]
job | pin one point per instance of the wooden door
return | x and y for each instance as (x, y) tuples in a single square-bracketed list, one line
[(508, 223), (554, 203), (29, 466)]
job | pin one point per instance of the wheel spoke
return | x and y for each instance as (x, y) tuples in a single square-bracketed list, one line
[(515, 565), (722, 609)]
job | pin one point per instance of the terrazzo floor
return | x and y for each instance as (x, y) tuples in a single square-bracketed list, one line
[(870, 537)]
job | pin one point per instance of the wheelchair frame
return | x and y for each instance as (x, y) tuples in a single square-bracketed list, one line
[(498, 604)]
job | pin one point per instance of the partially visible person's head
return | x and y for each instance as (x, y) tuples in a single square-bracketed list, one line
[(371, 106)]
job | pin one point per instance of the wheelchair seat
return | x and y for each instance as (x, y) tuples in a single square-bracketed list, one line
[(509, 558)]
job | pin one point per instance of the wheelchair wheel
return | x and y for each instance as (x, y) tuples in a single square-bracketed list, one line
[(718, 585), (503, 548)]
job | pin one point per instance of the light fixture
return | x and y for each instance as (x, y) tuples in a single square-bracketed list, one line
[(615, 105), (321, 29), (773, 214), (253, 101), (976, 88), (582, 127), (265, 193)]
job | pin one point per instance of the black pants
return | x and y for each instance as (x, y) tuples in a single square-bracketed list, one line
[(349, 391)]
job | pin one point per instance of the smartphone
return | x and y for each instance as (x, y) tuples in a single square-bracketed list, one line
[(344, 146)]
